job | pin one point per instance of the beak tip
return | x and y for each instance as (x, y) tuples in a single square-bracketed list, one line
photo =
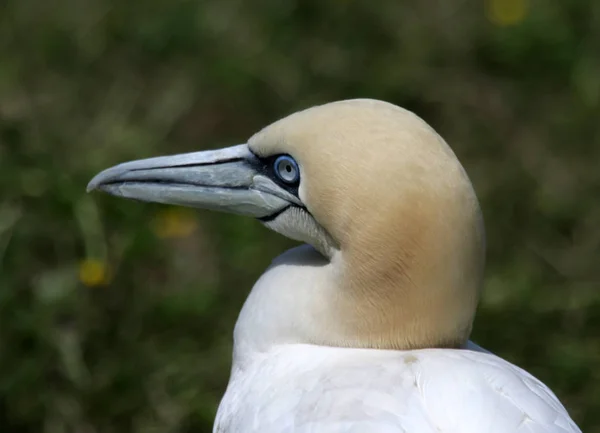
[(101, 179), (93, 184)]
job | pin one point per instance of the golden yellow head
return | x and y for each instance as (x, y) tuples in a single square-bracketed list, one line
[(369, 185)]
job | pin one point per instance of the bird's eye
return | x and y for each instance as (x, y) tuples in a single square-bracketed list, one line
[(287, 169)]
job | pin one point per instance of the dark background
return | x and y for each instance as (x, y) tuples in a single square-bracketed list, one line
[(117, 316)]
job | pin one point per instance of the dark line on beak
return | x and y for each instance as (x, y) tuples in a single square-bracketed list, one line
[(167, 183), (271, 217), (192, 164)]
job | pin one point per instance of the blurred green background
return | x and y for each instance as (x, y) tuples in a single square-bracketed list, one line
[(117, 316)]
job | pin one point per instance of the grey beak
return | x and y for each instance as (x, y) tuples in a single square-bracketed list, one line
[(227, 180)]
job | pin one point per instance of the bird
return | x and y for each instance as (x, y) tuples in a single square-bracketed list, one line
[(364, 326)]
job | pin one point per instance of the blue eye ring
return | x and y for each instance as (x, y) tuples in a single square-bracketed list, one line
[(286, 169)]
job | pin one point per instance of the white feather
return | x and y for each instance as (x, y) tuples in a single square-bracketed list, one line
[(312, 389)]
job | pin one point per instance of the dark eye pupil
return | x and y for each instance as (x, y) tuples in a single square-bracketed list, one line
[(286, 169)]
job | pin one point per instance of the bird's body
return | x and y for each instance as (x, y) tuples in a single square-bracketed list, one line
[(365, 328), (315, 389)]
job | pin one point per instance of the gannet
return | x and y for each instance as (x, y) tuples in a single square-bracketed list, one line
[(365, 327)]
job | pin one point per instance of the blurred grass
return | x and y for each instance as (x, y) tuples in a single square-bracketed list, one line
[(117, 316)]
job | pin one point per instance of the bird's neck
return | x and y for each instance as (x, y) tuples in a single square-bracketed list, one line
[(305, 298), (288, 304)]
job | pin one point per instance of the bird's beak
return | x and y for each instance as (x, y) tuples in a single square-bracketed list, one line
[(228, 179)]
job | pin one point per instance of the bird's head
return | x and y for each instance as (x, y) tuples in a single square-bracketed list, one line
[(371, 187)]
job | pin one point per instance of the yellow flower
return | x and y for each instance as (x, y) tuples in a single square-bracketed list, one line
[(174, 223), (506, 12), (93, 272)]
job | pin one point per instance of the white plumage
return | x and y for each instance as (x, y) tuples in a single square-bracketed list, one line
[(312, 389)]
